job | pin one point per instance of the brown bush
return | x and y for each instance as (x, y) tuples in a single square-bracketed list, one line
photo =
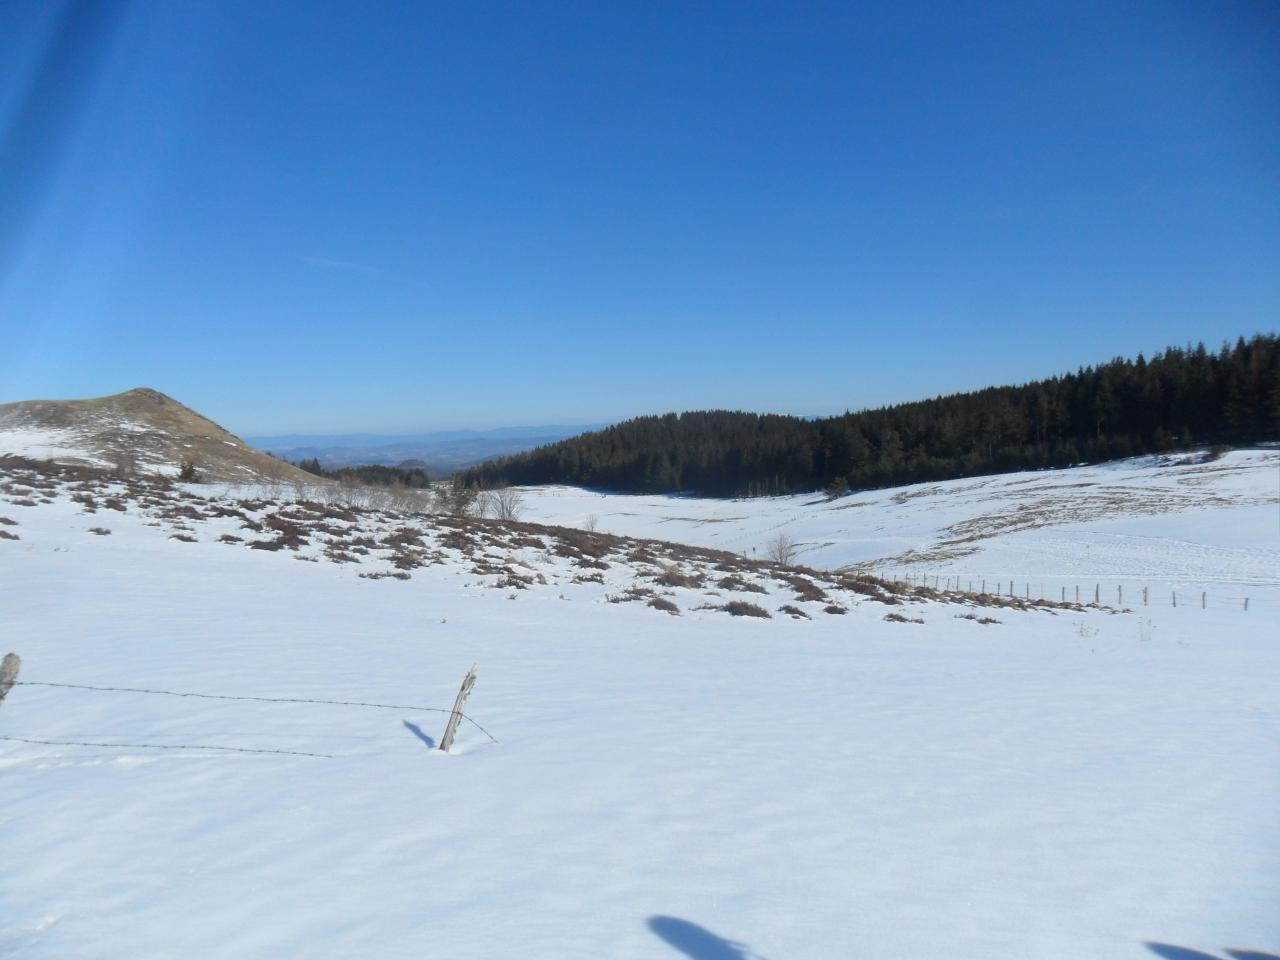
[(737, 583), (672, 576), (662, 603), (805, 589), (740, 608)]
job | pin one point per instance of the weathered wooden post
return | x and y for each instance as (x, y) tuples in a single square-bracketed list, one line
[(455, 717), (1246, 604), (1120, 594), (8, 673), (1202, 599)]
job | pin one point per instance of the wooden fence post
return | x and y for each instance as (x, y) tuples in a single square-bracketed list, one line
[(1202, 599), (455, 717), (8, 673)]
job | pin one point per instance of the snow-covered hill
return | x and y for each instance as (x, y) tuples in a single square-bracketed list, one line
[(1176, 522), (1059, 783)]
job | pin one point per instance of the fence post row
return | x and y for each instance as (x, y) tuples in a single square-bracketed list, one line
[(953, 583)]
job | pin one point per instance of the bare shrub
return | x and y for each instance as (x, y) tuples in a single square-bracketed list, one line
[(737, 583), (672, 576), (976, 619), (504, 503), (740, 608), (896, 617), (835, 609), (794, 612), (6, 535), (591, 522), (100, 531), (662, 603), (806, 589), (782, 549)]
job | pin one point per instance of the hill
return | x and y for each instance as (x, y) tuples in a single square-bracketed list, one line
[(140, 430), (1118, 409)]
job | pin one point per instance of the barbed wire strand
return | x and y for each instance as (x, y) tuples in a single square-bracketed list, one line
[(165, 746), (224, 696)]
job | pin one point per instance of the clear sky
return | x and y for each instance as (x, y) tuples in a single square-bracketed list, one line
[(404, 216)]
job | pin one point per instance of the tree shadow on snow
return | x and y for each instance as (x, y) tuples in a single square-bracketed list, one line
[(1170, 952), (697, 942), (417, 732)]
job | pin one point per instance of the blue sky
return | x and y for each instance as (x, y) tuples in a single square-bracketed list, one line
[(303, 217)]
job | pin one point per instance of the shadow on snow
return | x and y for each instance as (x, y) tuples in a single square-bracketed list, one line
[(697, 942)]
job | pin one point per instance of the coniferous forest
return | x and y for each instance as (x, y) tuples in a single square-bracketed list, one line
[(1179, 398)]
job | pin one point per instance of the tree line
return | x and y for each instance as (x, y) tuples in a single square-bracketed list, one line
[(1181, 397), (370, 474)]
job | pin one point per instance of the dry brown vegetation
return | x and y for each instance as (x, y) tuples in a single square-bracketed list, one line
[(511, 555)]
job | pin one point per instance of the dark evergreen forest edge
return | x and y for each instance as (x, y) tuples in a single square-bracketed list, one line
[(1180, 398)]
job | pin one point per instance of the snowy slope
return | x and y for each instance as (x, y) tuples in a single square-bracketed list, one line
[(1060, 784), (1172, 521)]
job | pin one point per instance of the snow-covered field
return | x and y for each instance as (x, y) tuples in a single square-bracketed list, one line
[(1171, 523), (1059, 784)]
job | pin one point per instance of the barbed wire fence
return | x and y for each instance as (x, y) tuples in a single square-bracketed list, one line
[(8, 680), (1120, 591)]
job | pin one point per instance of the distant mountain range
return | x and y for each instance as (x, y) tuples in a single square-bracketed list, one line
[(440, 452)]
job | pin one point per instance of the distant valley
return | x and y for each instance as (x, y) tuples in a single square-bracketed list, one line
[(440, 452)]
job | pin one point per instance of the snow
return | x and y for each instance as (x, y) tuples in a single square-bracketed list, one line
[(1173, 522), (1057, 785), (45, 443)]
